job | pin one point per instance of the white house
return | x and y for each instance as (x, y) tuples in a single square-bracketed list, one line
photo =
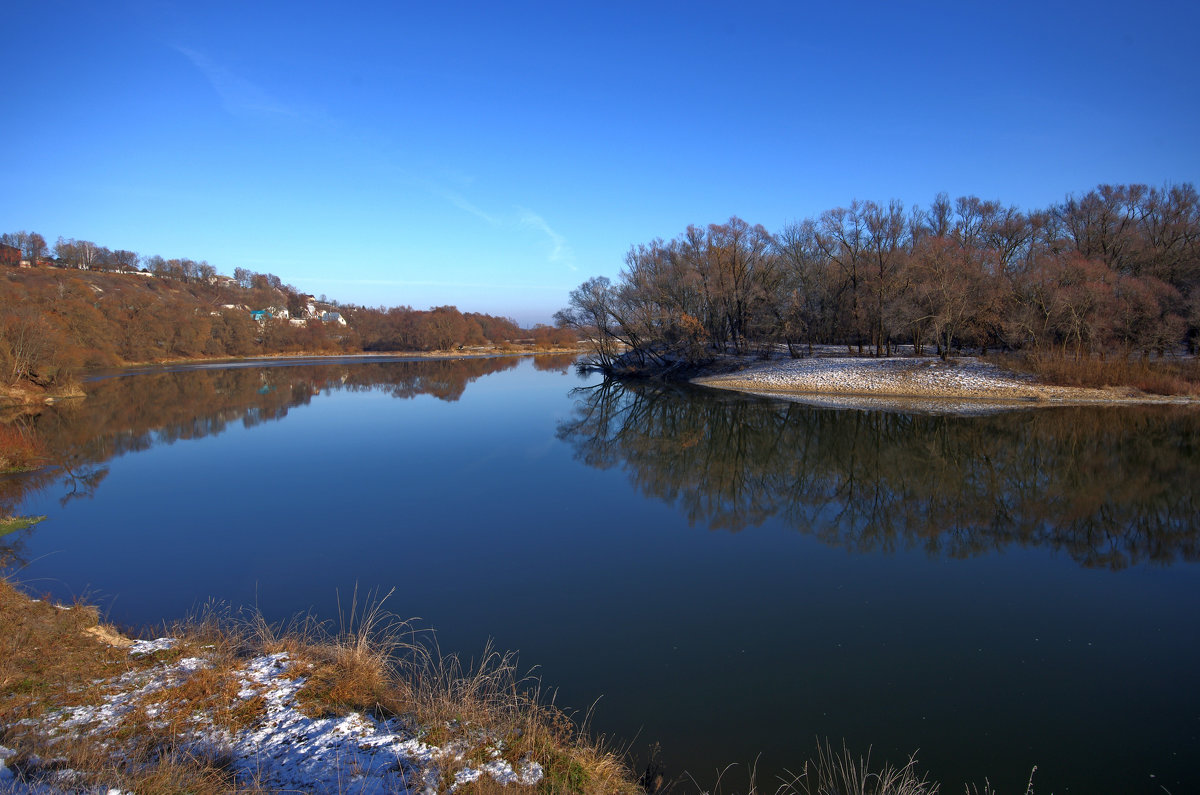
[(333, 317)]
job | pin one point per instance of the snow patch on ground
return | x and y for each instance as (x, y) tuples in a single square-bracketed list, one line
[(151, 646), (927, 384), (289, 750), (892, 375), (284, 748)]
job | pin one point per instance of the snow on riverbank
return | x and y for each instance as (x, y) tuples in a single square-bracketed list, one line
[(282, 748), (909, 383)]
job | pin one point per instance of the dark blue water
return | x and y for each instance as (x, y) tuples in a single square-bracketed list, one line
[(730, 577)]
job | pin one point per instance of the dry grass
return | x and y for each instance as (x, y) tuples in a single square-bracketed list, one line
[(353, 667), (460, 699), (372, 662), (833, 773), (828, 772), (29, 630), (1162, 376), (377, 663), (50, 659)]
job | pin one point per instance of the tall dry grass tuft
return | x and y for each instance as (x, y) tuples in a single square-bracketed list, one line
[(375, 662), (455, 699), (842, 773), (830, 772), (973, 789), (357, 666)]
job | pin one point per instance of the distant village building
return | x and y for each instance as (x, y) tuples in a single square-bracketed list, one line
[(333, 317)]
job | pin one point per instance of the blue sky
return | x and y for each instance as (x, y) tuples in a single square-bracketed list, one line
[(494, 155)]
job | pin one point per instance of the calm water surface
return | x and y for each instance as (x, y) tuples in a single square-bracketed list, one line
[(728, 576)]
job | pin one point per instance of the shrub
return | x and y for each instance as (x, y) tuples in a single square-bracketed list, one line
[(1156, 377), (20, 449)]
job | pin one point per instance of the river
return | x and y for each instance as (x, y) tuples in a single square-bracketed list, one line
[(729, 577)]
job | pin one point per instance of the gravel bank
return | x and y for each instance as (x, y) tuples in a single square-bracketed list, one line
[(912, 383)]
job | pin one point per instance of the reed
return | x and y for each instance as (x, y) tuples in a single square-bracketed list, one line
[(1158, 376)]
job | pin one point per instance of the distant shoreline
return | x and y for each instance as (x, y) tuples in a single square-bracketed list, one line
[(20, 394), (479, 351)]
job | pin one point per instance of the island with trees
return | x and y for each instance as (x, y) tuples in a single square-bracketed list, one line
[(1079, 290)]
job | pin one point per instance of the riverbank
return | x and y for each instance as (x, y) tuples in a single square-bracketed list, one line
[(25, 393), (220, 705), (473, 351), (964, 384), (29, 394)]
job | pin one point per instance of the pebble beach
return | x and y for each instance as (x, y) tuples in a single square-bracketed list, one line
[(922, 383)]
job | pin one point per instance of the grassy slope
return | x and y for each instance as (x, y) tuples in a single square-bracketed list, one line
[(53, 658)]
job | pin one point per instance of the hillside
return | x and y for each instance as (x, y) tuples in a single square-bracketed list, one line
[(56, 320)]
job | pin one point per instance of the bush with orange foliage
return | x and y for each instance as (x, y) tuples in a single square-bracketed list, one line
[(20, 449)]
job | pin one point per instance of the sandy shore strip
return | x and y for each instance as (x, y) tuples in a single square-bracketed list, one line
[(913, 383)]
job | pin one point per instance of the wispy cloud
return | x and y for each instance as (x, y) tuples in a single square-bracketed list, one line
[(560, 252), (237, 94), (460, 201)]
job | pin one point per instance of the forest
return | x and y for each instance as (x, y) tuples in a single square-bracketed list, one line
[(1114, 272), (77, 304)]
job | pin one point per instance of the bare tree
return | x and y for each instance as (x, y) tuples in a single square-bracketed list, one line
[(590, 312), (803, 311), (842, 240), (27, 342), (885, 241), (126, 260)]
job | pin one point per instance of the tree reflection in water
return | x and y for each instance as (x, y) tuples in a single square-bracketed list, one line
[(124, 415), (1110, 486)]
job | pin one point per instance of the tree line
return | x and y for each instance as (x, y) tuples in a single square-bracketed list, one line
[(1117, 269), (82, 307)]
